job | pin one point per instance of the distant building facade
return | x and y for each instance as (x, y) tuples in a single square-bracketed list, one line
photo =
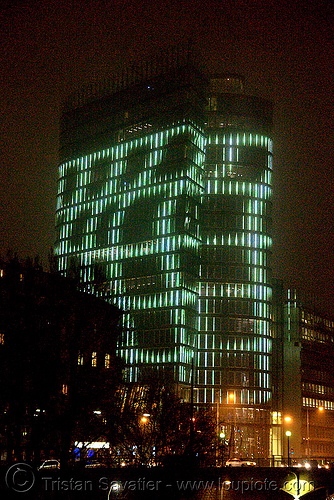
[(304, 378)]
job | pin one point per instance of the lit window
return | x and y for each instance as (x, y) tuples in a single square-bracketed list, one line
[(64, 389), (1, 273), (2, 338), (107, 361), (94, 359), (80, 359)]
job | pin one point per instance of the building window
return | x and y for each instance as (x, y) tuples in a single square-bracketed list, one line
[(107, 361), (80, 359), (94, 359), (2, 338), (64, 389)]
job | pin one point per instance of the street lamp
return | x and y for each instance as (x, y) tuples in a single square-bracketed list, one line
[(226, 484), (144, 418), (231, 400), (292, 487), (287, 420), (288, 434)]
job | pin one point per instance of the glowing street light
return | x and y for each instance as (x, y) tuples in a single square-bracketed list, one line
[(296, 487), (231, 397), (145, 418), (225, 486)]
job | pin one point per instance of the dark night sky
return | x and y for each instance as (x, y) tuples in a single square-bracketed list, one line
[(51, 48)]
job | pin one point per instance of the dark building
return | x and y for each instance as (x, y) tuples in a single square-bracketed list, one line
[(58, 362), (303, 378)]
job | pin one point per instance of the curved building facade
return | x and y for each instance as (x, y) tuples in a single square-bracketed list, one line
[(235, 332)]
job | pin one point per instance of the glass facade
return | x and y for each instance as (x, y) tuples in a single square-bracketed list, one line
[(235, 331), (128, 222), (138, 223), (235, 288), (168, 212)]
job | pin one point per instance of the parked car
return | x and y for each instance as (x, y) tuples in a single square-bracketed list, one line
[(94, 464), (50, 464), (239, 462)]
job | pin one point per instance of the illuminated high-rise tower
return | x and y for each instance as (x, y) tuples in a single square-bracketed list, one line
[(130, 186), (164, 207), (235, 332)]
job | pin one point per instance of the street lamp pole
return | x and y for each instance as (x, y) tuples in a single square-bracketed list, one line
[(287, 421), (288, 434), (231, 399)]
